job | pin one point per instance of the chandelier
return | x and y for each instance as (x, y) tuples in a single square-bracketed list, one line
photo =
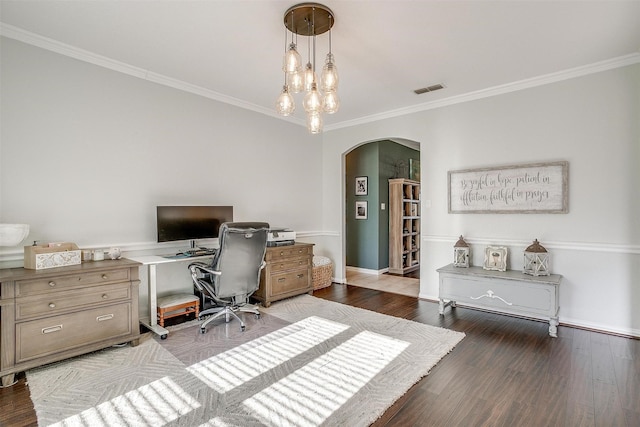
[(320, 96)]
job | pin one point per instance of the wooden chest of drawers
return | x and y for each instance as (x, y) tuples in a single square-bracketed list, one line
[(50, 315), (288, 272)]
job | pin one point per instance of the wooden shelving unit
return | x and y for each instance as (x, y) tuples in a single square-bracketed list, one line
[(404, 225)]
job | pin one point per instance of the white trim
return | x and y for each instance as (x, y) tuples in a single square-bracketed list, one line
[(28, 37), (52, 45), (366, 270), (545, 79), (574, 246)]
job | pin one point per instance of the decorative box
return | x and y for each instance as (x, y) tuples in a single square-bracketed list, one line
[(38, 257)]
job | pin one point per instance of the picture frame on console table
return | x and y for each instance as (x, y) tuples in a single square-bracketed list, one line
[(495, 258)]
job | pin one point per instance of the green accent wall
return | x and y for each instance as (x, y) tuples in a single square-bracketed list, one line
[(367, 240)]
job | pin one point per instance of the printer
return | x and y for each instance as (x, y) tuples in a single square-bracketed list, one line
[(281, 237)]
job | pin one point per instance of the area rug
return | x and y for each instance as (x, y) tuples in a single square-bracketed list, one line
[(304, 362)]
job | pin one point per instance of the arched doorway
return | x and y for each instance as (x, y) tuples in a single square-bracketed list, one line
[(367, 168)]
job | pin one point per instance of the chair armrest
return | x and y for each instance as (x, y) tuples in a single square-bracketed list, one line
[(202, 267)]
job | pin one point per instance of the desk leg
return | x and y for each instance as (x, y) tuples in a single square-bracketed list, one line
[(152, 324)]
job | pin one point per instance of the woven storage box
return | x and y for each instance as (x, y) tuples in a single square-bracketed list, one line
[(51, 255), (322, 270)]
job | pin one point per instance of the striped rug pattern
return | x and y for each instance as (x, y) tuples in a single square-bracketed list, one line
[(304, 362)]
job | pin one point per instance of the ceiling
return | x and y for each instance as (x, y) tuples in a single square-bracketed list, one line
[(232, 50)]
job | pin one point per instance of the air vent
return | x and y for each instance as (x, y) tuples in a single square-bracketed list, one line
[(428, 89)]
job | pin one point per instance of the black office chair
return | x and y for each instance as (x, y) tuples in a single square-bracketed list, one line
[(234, 273)]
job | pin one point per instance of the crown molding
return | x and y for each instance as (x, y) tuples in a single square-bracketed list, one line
[(545, 79), (52, 45)]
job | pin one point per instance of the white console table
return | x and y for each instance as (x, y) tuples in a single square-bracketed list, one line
[(511, 292), (152, 261)]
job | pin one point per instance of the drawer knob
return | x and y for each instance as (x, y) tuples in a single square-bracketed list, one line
[(105, 296), (300, 276), (52, 305), (281, 253), (282, 279), (52, 283), (104, 276)]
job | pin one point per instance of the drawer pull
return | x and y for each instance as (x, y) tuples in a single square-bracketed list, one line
[(52, 283), (52, 305), (104, 317), (104, 276), (51, 329), (490, 294), (105, 296), (282, 279), (300, 276), (281, 253)]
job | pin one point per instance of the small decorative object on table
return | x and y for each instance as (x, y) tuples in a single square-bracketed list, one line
[(51, 255), (495, 258), (536, 260), (461, 253)]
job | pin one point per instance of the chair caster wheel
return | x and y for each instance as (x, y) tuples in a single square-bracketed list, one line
[(203, 330), (242, 328), (163, 336), (257, 316)]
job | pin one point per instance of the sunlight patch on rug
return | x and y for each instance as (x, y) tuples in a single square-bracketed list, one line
[(154, 404), (233, 368), (308, 396)]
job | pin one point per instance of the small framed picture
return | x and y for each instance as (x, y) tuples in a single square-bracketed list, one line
[(361, 186), (361, 210), (495, 258)]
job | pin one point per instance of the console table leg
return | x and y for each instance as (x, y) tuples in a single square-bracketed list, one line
[(442, 305), (553, 327)]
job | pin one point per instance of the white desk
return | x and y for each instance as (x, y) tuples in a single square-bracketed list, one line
[(152, 261)]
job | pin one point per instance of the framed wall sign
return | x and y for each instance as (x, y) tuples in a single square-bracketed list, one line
[(361, 210), (361, 186), (527, 188)]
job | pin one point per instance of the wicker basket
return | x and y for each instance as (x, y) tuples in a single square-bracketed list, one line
[(322, 270)]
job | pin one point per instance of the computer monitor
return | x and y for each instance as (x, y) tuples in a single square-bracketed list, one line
[(176, 223)]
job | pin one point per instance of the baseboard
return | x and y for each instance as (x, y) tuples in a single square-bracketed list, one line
[(367, 271)]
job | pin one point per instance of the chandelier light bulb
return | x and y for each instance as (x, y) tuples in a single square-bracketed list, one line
[(329, 76), (312, 102), (292, 61), (285, 104), (314, 122), (296, 82), (331, 102), (309, 77)]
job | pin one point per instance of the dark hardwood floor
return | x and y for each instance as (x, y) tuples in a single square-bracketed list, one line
[(506, 372)]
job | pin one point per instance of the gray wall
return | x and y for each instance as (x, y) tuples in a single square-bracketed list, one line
[(592, 121)]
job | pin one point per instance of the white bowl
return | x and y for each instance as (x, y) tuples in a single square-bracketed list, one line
[(13, 234)]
